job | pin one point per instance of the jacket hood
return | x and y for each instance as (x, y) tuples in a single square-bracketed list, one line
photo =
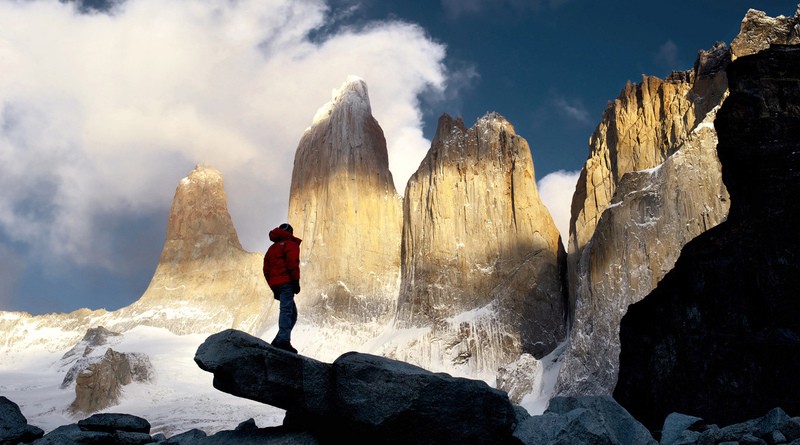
[(277, 234)]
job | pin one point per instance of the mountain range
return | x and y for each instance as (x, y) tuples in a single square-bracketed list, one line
[(465, 273)]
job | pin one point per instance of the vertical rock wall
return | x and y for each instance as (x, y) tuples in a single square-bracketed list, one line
[(482, 259), (344, 207)]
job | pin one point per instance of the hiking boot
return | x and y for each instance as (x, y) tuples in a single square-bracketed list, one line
[(285, 345)]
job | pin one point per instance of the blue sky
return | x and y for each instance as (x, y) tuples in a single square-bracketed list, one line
[(104, 108)]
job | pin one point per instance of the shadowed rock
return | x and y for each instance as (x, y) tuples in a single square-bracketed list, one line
[(14, 426)]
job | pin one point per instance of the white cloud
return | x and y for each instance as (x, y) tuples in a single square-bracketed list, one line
[(102, 114), (667, 55), (11, 268), (556, 190), (573, 110)]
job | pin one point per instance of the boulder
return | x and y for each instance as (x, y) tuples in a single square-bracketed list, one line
[(99, 381), (676, 427), (384, 400), (248, 367), (14, 426), (101, 429), (110, 422), (590, 420), (395, 402), (191, 437)]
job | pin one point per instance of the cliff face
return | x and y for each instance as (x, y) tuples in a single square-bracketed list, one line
[(482, 259), (653, 212), (722, 325), (638, 131), (204, 281), (344, 206)]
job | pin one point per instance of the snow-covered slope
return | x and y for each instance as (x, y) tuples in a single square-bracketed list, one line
[(181, 396)]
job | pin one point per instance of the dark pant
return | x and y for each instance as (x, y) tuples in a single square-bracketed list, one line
[(288, 314)]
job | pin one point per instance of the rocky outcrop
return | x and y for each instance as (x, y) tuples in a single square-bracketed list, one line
[(98, 383), (775, 427), (344, 207), (14, 426), (205, 281), (94, 338), (384, 400), (482, 258), (759, 31), (638, 131), (718, 338)]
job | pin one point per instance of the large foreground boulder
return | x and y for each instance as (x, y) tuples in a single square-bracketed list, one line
[(14, 426), (360, 398)]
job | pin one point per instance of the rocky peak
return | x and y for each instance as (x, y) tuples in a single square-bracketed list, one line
[(476, 237), (204, 280), (344, 206), (199, 224), (759, 31)]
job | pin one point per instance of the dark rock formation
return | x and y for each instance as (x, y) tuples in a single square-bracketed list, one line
[(383, 400), (101, 429), (776, 427), (719, 338), (98, 384), (14, 426)]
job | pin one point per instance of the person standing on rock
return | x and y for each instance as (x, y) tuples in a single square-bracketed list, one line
[(282, 271)]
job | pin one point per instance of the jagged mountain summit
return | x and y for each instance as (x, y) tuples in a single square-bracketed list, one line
[(344, 207), (482, 258), (204, 281)]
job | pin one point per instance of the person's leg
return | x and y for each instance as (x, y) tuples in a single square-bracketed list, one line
[(287, 315), (294, 314)]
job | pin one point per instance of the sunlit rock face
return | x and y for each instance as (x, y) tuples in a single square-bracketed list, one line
[(638, 131), (482, 258), (654, 183), (205, 281), (636, 242), (759, 31), (344, 207)]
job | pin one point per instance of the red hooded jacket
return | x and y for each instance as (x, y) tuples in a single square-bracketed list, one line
[(282, 260)]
